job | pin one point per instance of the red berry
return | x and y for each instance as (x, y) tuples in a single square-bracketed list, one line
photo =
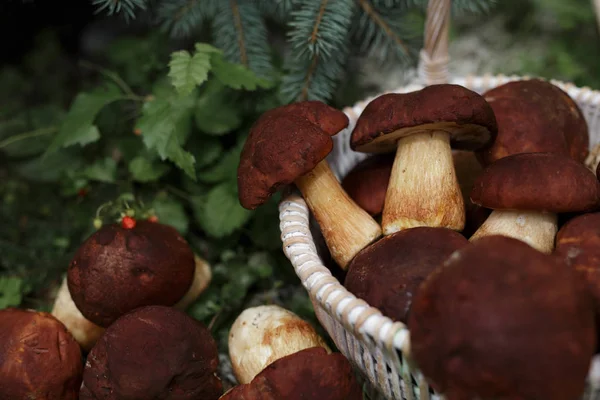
[(82, 192), (128, 222), (153, 218)]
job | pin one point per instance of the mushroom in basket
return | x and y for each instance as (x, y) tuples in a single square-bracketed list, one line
[(421, 128), (288, 145), (501, 320), (153, 352), (39, 358), (528, 190), (120, 268), (277, 355)]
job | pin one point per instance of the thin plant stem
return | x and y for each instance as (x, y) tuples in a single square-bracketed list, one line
[(115, 78), (27, 135)]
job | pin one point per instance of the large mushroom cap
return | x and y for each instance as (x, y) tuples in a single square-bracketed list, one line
[(502, 320), (154, 352), (117, 270), (539, 182), (388, 273), (367, 182), (464, 114), (307, 374), (535, 116), (39, 359), (284, 144)]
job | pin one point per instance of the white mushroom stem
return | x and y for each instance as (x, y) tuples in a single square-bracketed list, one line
[(346, 228), (264, 334), (87, 333), (423, 188), (537, 229)]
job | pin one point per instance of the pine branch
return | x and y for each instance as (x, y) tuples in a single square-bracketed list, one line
[(127, 8), (279, 10), (182, 17), (240, 31)]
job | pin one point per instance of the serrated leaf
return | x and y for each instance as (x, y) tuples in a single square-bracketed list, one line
[(225, 169), (104, 170), (187, 71), (220, 214), (78, 126), (11, 291), (171, 212), (215, 112), (206, 150), (237, 76), (144, 170)]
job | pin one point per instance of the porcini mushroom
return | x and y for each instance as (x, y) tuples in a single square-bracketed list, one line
[(421, 128), (367, 182), (118, 269), (288, 145), (307, 374), (153, 352), (39, 359), (263, 334), (535, 116), (387, 274), (501, 320), (527, 190)]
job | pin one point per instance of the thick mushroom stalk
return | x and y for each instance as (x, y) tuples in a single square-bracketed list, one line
[(346, 227), (423, 188), (537, 229)]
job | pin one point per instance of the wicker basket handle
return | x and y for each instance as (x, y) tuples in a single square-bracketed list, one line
[(434, 59)]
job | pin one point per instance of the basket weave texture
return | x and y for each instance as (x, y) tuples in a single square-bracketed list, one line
[(377, 346)]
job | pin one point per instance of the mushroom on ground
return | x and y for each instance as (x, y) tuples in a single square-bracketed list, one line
[(527, 190), (263, 334), (153, 352), (535, 116), (288, 145), (388, 273), (368, 181), (118, 269), (39, 359), (500, 320), (307, 374), (421, 127)]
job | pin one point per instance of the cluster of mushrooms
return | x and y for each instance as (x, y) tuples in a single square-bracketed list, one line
[(118, 331), (474, 220)]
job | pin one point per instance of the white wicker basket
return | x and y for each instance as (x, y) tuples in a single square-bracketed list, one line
[(379, 347)]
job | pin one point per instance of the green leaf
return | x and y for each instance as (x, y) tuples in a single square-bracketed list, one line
[(216, 113), (145, 170), (11, 291), (225, 169), (206, 150), (187, 71), (237, 76), (171, 212), (49, 168), (77, 127), (104, 170), (220, 214)]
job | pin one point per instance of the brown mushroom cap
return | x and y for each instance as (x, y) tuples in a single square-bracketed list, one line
[(39, 359), (153, 352), (464, 114), (535, 116), (388, 273), (307, 374), (502, 320), (367, 182), (538, 182), (284, 144), (117, 270)]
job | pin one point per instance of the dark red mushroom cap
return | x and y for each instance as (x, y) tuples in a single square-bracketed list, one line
[(535, 116), (367, 182), (598, 171), (39, 359), (501, 320), (388, 273), (464, 114), (307, 374), (153, 352), (537, 181), (117, 270), (284, 144)]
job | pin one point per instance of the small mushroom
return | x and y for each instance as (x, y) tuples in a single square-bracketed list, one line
[(500, 320), (368, 181), (118, 269), (39, 359), (288, 145), (527, 190), (535, 116), (421, 128), (153, 352), (307, 374), (387, 274), (263, 334)]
